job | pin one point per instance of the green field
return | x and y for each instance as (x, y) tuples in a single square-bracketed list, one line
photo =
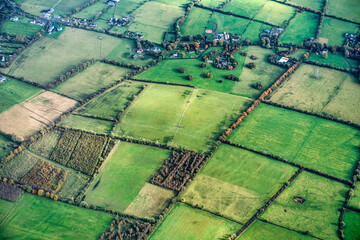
[(247, 8), (212, 3), (5, 146), (333, 93), (163, 114), (91, 11), (88, 124), (264, 73), (355, 200), (94, 78), (63, 7), (352, 225), (179, 3), (337, 60), (227, 23), (22, 26), (196, 22), (314, 142), (5, 208), (13, 91), (186, 223), (46, 144), (253, 30), (319, 213), (275, 13), (265, 231), (344, 10), (49, 55), (304, 25), (109, 104), (40, 218), (314, 4), (334, 30), (123, 177), (126, 7), (236, 183)]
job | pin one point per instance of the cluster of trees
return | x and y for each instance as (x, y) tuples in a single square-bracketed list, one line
[(122, 64), (9, 192), (178, 169), (251, 65), (65, 146), (232, 78), (210, 55), (208, 75), (257, 86), (189, 77), (181, 70)]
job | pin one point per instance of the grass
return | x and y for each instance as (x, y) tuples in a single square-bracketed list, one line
[(124, 175), (336, 60), (304, 25), (88, 124), (48, 55), (74, 183), (46, 144), (275, 13), (179, 3), (110, 103), (6, 145), (266, 231), (35, 217), (352, 225), (319, 213), (236, 183), (196, 22), (186, 223), (253, 30), (355, 200), (326, 95), (13, 91), (212, 3), (314, 4), (314, 142), (151, 33), (246, 8), (264, 73), (96, 77), (229, 24), (62, 8), (338, 8), (22, 26), (5, 208), (334, 30), (126, 7), (91, 11)]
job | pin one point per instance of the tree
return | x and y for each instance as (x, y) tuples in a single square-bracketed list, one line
[(257, 86), (203, 65), (208, 75), (181, 70), (251, 65), (189, 77)]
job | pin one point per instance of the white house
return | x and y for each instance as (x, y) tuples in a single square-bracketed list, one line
[(2, 79), (283, 60)]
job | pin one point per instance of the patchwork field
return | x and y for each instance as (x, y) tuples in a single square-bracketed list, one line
[(275, 13), (184, 222), (253, 30), (46, 144), (334, 30), (327, 93), (319, 213), (91, 11), (196, 22), (316, 143), (236, 182), (337, 60), (121, 183), (247, 8), (339, 9), (352, 225), (63, 7)]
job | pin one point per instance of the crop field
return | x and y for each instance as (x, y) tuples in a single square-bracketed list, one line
[(13, 91), (6, 145), (121, 184), (96, 77), (227, 23), (275, 13), (91, 11), (236, 183), (318, 214), (303, 26), (246, 8), (314, 142), (327, 93), (196, 22), (36, 216), (334, 30), (339, 9), (20, 27), (63, 7), (45, 55), (264, 73), (352, 224)]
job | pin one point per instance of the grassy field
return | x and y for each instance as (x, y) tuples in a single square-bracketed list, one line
[(169, 68), (13, 91), (126, 7), (338, 8), (247, 8), (355, 200), (314, 4), (88, 124), (304, 25), (186, 223), (22, 26), (123, 177), (110, 103), (211, 3), (179, 3), (264, 73), (253, 30), (5, 146), (48, 55), (125, 51), (62, 8), (94, 78), (236, 183), (229, 24), (5, 208), (336, 60), (352, 225), (196, 22), (326, 95), (46, 144), (316, 143), (35, 217), (334, 30), (275, 13), (265, 231), (91, 11), (319, 213)]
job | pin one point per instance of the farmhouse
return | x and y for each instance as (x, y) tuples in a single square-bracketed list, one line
[(14, 19), (2, 79), (283, 60), (140, 51)]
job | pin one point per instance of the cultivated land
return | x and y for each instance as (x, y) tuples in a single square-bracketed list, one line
[(246, 8), (184, 222), (45, 145), (334, 30), (275, 13), (236, 183), (319, 213), (314, 142), (196, 22), (352, 224), (325, 94)]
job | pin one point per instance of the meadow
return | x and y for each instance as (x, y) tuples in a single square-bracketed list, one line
[(6, 145), (91, 11), (123, 177), (253, 30), (246, 8), (355, 200), (22, 26), (35, 217), (236, 183), (314, 142), (339, 9), (352, 224), (88, 124), (184, 222), (212, 3), (46, 144), (319, 213), (334, 59), (229, 24), (334, 30), (36, 7), (178, 3), (275, 13), (196, 22), (314, 4)]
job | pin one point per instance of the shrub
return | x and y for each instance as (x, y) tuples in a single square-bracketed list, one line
[(181, 70), (257, 86), (189, 77), (203, 65), (232, 78), (251, 65), (208, 75)]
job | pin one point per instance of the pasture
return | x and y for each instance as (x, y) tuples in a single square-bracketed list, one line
[(91, 11), (184, 222), (88, 124), (178, 3), (327, 93), (21, 27), (344, 10), (212, 3), (314, 4), (336, 59), (236, 183), (229, 24), (48, 55), (121, 184), (352, 225), (96, 77), (319, 213), (275, 13), (246, 8), (314, 142), (63, 7), (253, 30), (126, 7), (355, 200), (6, 145), (334, 30), (37, 216), (196, 22), (304, 25)]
